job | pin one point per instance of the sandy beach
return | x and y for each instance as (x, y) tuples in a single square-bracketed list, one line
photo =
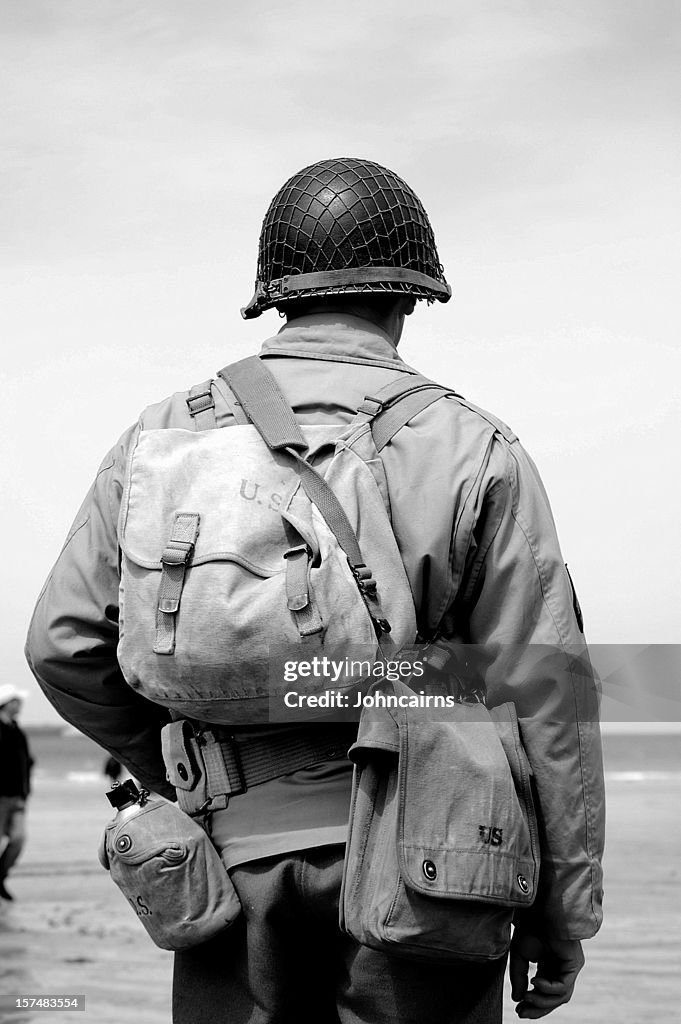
[(70, 931)]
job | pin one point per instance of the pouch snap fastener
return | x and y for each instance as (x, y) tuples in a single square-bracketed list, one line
[(429, 870), (123, 844), (523, 884)]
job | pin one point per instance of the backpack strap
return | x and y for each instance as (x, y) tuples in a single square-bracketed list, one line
[(224, 390), (398, 402), (201, 406), (258, 392), (261, 399)]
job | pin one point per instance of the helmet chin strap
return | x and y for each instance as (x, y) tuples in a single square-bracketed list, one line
[(349, 282), (256, 306)]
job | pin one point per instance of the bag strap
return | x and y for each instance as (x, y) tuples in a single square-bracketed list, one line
[(396, 403), (389, 409), (261, 399), (201, 406)]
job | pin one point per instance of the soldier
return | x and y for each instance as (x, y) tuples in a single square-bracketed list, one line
[(346, 252)]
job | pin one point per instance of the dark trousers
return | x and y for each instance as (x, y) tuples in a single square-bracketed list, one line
[(286, 962), (12, 832)]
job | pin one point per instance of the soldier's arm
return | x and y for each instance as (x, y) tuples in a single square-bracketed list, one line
[(518, 602), (72, 639), (519, 606)]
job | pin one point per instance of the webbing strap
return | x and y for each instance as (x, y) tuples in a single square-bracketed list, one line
[(272, 416), (393, 391), (298, 600), (218, 782), (174, 560), (359, 275), (201, 405), (262, 760), (297, 595), (397, 403), (262, 401), (390, 420), (319, 492), (231, 764), (231, 402)]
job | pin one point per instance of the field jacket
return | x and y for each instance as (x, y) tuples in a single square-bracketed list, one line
[(479, 545)]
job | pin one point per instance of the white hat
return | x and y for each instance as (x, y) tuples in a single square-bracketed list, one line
[(9, 692)]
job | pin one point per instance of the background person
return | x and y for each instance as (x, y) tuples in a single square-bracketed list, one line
[(15, 782)]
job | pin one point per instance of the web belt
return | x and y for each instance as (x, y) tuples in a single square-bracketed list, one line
[(250, 761), (209, 763)]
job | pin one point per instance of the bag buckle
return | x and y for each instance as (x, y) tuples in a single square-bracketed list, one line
[(364, 577), (177, 552), (370, 406), (368, 588)]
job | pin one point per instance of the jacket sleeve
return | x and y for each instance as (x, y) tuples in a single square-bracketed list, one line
[(521, 614), (73, 636)]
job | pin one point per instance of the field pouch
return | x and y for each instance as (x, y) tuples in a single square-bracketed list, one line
[(171, 874), (442, 845)]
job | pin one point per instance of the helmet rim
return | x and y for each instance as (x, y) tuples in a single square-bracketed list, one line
[(362, 280), (345, 226)]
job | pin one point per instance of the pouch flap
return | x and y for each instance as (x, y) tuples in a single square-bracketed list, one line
[(177, 746), (172, 853), (228, 477), (462, 832), (378, 730), (505, 719), (158, 829)]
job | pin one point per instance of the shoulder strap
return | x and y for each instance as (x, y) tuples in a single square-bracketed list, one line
[(223, 389), (261, 399), (201, 406), (398, 402)]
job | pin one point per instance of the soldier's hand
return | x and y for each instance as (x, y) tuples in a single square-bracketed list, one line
[(559, 961)]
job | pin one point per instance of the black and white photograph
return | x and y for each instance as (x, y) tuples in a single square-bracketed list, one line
[(340, 421)]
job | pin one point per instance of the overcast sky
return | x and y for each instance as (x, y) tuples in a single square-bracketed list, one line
[(142, 143)]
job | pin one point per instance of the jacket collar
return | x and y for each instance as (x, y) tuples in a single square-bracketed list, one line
[(335, 337)]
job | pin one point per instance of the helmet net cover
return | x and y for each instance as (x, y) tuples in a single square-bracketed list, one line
[(345, 226)]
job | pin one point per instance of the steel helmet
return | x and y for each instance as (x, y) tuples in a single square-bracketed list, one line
[(345, 226)]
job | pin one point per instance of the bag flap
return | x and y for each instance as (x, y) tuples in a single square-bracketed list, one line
[(177, 746), (462, 831), (378, 730), (228, 478)]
